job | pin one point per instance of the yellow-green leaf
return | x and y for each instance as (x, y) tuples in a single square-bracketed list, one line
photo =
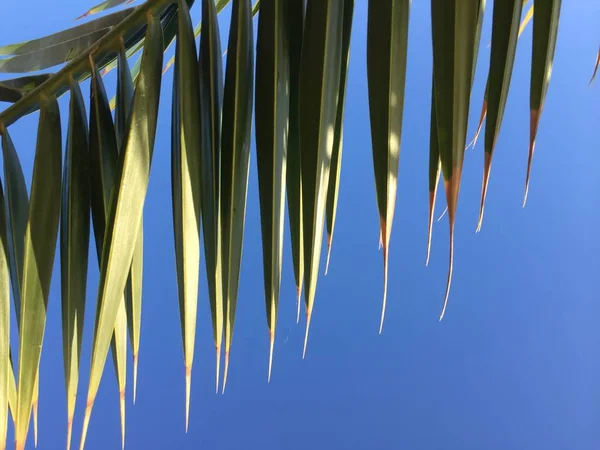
[(133, 289), (126, 205), (38, 258), (5, 366), (185, 186)]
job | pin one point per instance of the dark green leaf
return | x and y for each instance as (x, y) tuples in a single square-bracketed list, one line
[(74, 244), (387, 41), (545, 32), (271, 122), (295, 12), (455, 28), (319, 87), (336, 156), (211, 99), (235, 156), (505, 29)]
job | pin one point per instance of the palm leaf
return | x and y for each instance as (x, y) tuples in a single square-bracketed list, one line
[(74, 243), (185, 187), (5, 366), (38, 257), (211, 98), (545, 32), (319, 87), (271, 122), (387, 42), (455, 30), (71, 35), (504, 45), (107, 4), (235, 156), (133, 289), (336, 156), (295, 12), (126, 205)]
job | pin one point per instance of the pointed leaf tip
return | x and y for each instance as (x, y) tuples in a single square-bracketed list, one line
[(225, 372), (271, 346)]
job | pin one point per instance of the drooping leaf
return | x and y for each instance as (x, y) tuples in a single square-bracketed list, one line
[(434, 169), (319, 87), (504, 45), (133, 289), (38, 258), (595, 67), (295, 21), (271, 123), (118, 346), (211, 99), (545, 32), (107, 4), (219, 5), (484, 107), (455, 33), (69, 35), (5, 366), (74, 244), (12, 390), (185, 187), (235, 156), (103, 162), (126, 205), (16, 207), (387, 39), (336, 156)]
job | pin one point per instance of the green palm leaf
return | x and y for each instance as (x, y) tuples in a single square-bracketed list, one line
[(235, 156), (5, 366), (456, 28), (74, 243), (504, 45), (126, 205), (185, 187), (133, 289), (38, 257), (336, 156), (271, 122), (387, 42), (295, 22), (545, 32), (211, 99), (319, 87)]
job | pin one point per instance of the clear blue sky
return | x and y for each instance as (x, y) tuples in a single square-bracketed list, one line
[(514, 364)]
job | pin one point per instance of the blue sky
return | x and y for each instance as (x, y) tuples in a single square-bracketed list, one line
[(516, 360)]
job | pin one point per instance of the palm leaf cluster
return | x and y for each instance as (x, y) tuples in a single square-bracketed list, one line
[(294, 79)]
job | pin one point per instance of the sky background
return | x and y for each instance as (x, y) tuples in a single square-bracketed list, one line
[(515, 362)]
